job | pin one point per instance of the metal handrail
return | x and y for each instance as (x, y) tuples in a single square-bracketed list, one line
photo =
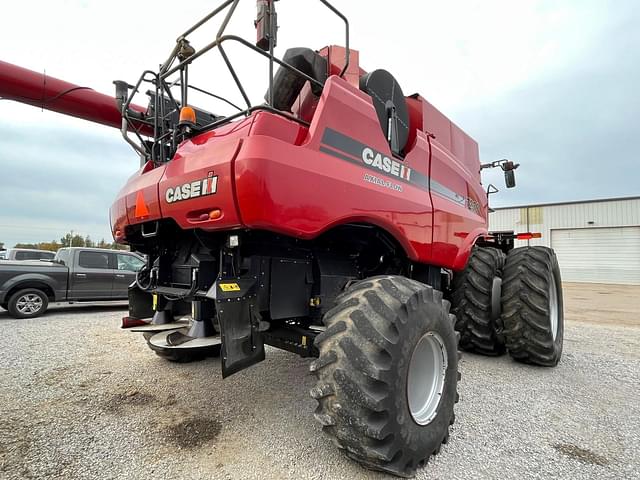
[(180, 52)]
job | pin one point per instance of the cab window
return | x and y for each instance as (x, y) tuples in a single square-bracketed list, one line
[(93, 260), (27, 255), (129, 262)]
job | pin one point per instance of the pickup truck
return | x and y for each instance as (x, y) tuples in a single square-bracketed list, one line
[(76, 274), (26, 254)]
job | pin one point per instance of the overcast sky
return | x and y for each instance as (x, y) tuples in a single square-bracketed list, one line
[(552, 85)]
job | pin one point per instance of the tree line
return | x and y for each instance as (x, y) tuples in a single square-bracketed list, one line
[(70, 239)]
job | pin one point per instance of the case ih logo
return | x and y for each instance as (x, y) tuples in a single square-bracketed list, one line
[(347, 148), (187, 191), (387, 165)]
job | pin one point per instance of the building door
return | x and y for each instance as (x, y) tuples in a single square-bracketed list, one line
[(598, 255)]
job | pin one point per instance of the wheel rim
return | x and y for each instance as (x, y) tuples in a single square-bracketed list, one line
[(29, 304), (425, 380), (553, 306)]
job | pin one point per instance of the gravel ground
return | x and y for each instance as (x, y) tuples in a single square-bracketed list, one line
[(81, 399)]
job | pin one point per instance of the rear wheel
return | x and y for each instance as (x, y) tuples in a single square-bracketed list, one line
[(532, 307), (475, 301), (387, 373), (28, 303)]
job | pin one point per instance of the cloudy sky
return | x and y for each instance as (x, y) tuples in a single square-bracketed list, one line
[(552, 85)]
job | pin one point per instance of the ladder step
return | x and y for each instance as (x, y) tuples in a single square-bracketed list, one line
[(159, 328)]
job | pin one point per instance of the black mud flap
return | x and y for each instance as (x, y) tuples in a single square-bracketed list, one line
[(140, 303), (237, 311)]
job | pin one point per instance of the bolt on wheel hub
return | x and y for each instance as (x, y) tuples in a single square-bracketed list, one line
[(29, 303)]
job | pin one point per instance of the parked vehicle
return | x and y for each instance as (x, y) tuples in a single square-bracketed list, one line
[(75, 274), (339, 220), (26, 254)]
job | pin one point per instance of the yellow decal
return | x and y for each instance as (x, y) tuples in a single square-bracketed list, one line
[(229, 287), (155, 301)]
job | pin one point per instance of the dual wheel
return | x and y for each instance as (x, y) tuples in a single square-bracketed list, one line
[(387, 372), (511, 302)]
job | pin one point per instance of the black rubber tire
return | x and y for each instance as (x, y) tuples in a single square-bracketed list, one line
[(12, 304), (183, 356), (526, 306), (471, 302), (362, 369)]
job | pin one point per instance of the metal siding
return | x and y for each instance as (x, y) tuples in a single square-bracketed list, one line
[(609, 213), (598, 255)]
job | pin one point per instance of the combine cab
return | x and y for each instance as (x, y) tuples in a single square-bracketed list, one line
[(336, 218)]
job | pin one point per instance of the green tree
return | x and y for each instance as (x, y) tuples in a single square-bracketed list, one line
[(103, 244), (26, 245), (52, 246), (77, 241), (66, 240)]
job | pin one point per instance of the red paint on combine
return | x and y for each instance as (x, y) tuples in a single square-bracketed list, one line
[(274, 174)]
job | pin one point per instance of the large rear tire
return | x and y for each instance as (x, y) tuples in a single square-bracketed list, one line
[(532, 306), (475, 301), (387, 373)]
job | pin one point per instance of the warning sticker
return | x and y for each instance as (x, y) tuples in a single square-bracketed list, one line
[(229, 287)]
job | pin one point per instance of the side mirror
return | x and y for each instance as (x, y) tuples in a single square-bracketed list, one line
[(507, 167), (510, 178)]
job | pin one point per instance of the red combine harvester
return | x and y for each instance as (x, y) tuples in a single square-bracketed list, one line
[(339, 219)]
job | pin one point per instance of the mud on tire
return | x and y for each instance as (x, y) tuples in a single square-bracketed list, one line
[(362, 373), (471, 302), (532, 307)]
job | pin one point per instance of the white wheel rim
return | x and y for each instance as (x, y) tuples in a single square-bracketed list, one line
[(553, 306), (29, 304), (426, 378)]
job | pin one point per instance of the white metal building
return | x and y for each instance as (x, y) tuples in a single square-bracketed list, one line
[(596, 241)]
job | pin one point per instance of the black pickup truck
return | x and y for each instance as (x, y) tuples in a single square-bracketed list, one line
[(76, 274)]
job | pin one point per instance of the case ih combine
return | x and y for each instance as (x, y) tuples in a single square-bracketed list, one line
[(339, 220)]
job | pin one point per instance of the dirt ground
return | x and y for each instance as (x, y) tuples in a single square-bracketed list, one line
[(82, 399), (602, 304)]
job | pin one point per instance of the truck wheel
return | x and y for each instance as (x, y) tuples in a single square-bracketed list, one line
[(532, 309), (28, 303), (475, 301), (387, 373)]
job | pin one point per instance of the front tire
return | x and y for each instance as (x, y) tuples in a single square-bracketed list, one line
[(28, 303), (387, 373), (532, 306)]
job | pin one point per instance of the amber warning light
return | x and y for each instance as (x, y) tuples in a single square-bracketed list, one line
[(187, 116)]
